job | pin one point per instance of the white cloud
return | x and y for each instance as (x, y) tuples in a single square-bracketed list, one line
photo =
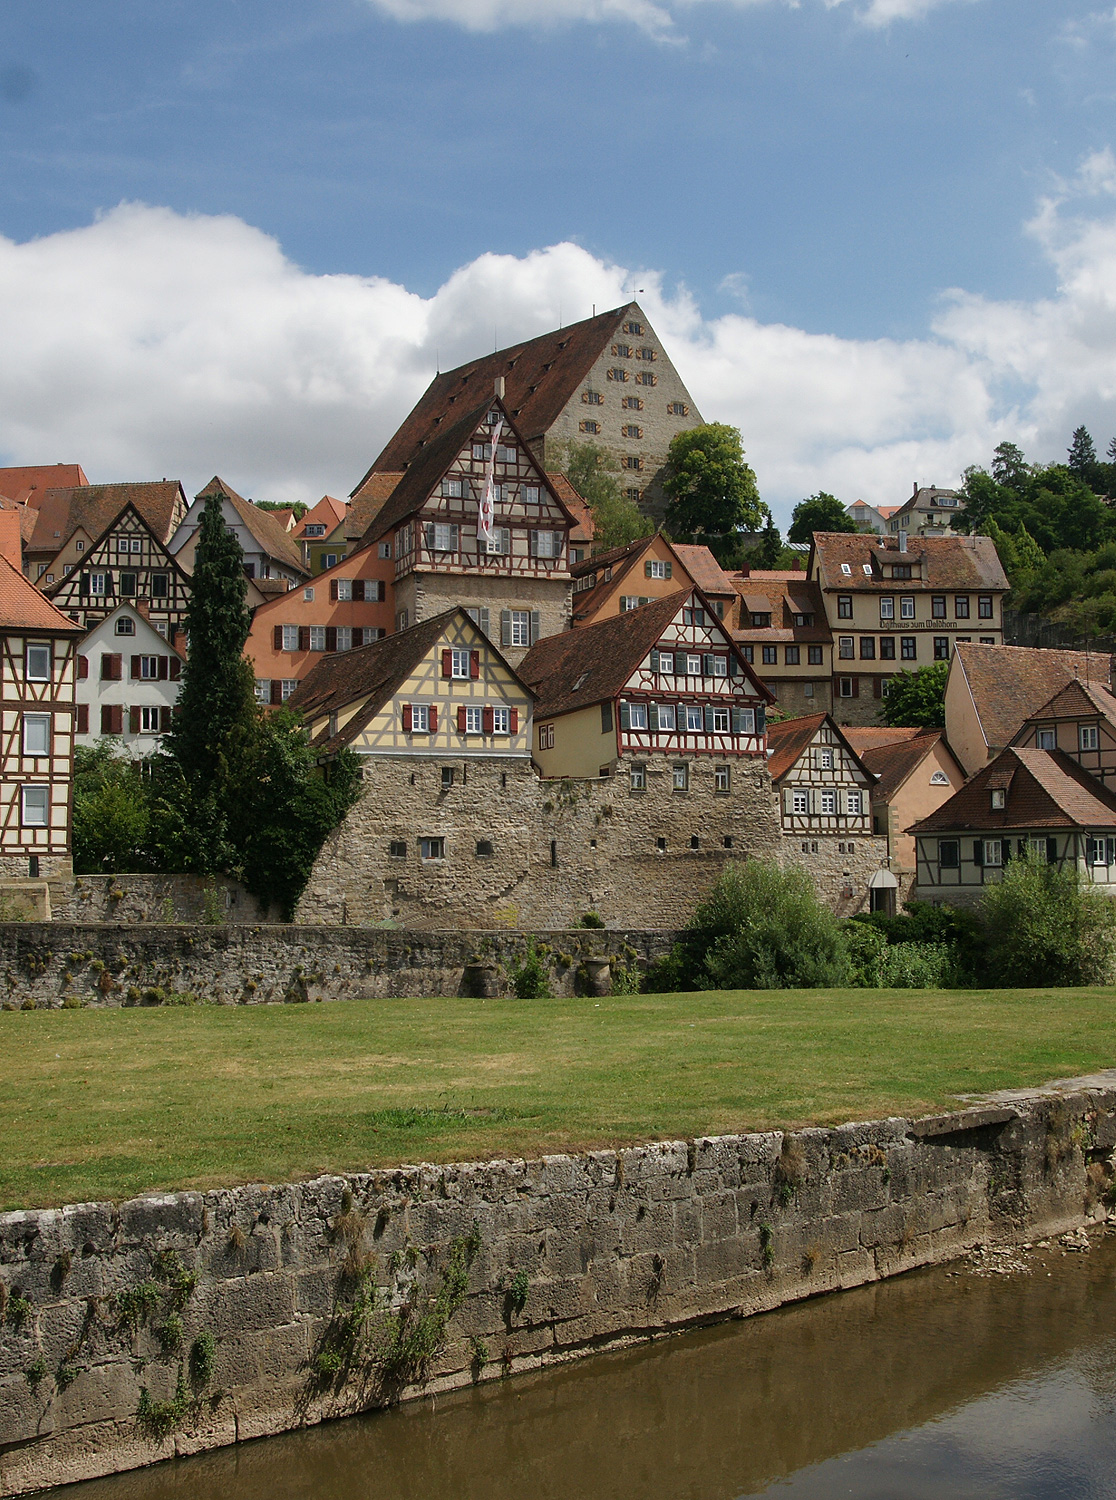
[(657, 17), (150, 343)]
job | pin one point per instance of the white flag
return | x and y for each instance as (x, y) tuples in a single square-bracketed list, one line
[(487, 508)]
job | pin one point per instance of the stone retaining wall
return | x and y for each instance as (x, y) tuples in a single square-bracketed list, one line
[(119, 964), (320, 1297)]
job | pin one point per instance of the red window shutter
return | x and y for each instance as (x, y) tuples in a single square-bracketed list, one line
[(277, 638), (433, 719), (877, 687), (83, 668), (358, 588), (487, 720), (164, 668), (304, 638), (331, 637), (117, 668), (106, 718), (856, 687), (135, 668), (407, 717), (333, 590), (447, 663), (106, 668), (276, 690), (118, 718), (134, 720), (381, 591), (474, 664), (83, 717), (461, 721), (513, 720), (174, 669)]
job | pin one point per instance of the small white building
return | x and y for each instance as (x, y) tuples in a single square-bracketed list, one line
[(128, 683)]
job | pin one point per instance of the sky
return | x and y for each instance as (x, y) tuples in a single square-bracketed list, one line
[(878, 236)]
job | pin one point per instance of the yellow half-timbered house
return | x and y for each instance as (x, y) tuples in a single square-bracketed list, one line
[(37, 681)]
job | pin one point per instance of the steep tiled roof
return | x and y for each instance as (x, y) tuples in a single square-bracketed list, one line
[(168, 560), (28, 518), (1045, 789), (894, 763), (612, 557), (94, 507), (1010, 683), (23, 607), (368, 503), (790, 575), (783, 598), (28, 485), (541, 375), (704, 569), (788, 740), (1077, 700), (577, 506), (328, 513), (268, 532), (952, 562), (870, 737)]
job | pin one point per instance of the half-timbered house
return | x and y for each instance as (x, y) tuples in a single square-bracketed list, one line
[(128, 682), (1080, 720), (1032, 801), (69, 522), (321, 534), (125, 564), (37, 679), (517, 584), (824, 791), (623, 578)]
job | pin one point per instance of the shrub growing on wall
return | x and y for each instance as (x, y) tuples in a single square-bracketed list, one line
[(1043, 926)]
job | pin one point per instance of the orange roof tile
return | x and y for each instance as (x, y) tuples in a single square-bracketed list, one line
[(22, 607), (1045, 789), (703, 568), (28, 485), (1009, 684)]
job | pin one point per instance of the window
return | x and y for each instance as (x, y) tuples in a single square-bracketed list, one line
[(631, 431), (98, 583), (633, 461), (589, 426), (344, 638), (887, 609), (505, 455), (695, 718), (447, 777), (868, 648), (961, 607), (397, 849), (827, 760), (844, 606), (908, 648), (845, 687), (678, 409), (128, 585), (770, 655), (125, 625), (419, 718), (482, 452), (720, 721), (344, 588), (845, 647), (693, 666), (938, 607), (459, 663), (632, 403), (441, 536), (290, 637), (854, 803), (36, 734), (315, 530), (666, 663), (160, 585), (501, 721), (34, 807), (667, 717), (499, 546), (939, 778), (800, 803), (722, 779), (263, 690), (616, 373), (693, 617), (383, 549), (680, 778), (814, 655), (519, 627), (984, 606), (593, 398), (646, 353), (1088, 737), (907, 607), (148, 668), (949, 854), (749, 653), (941, 648), (637, 715), (547, 543), (36, 667), (846, 570), (317, 637), (993, 852), (637, 778), (1046, 739), (656, 569), (828, 803), (807, 689), (988, 640), (760, 620), (290, 685), (621, 351), (887, 648), (901, 570), (150, 720), (432, 848), (485, 849), (636, 329), (645, 377), (793, 655), (999, 799)]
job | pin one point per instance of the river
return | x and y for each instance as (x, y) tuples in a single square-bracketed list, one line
[(953, 1382)]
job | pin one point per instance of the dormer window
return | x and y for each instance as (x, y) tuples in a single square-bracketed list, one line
[(867, 569), (846, 569), (999, 799), (493, 418), (760, 621)]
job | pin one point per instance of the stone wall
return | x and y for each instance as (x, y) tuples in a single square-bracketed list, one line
[(534, 854), (841, 877), (125, 964), (194, 1320), (154, 898)]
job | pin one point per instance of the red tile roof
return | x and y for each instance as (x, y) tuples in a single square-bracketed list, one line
[(704, 569), (541, 375), (895, 762), (1011, 683), (577, 506), (868, 737), (94, 507), (328, 513), (28, 485), (1077, 700), (1045, 789), (788, 740), (23, 607), (952, 562)]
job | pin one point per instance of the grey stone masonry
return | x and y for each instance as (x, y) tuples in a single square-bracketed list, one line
[(171, 1324)]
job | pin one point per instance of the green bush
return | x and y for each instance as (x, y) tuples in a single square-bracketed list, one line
[(763, 927), (918, 966), (529, 978), (866, 947), (1042, 926)]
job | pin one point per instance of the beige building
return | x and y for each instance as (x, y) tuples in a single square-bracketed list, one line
[(1081, 721), (606, 380), (894, 608), (611, 583), (929, 512), (272, 558), (780, 625), (990, 692)]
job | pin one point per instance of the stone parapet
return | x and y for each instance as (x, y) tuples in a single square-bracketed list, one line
[(186, 1321)]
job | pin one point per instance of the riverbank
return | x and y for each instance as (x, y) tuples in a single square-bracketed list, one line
[(248, 1311), (109, 1103)]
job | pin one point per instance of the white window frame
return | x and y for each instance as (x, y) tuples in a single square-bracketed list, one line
[(290, 637), (887, 609), (36, 728), (637, 778), (1088, 737), (693, 666), (722, 778), (657, 568), (474, 722), (846, 648), (38, 647), (263, 689), (827, 760), (695, 718), (519, 627), (907, 607), (420, 718), (994, 853), (854, 802), (344, 637), (722, 723), (680, 778), (800, 804), (459, 662), (289, 686), (666, 663), (34, 799), (149, 668), (501, 721), (827, 803), (499, 546), (432, 849), (150, 713), (668, 718), (637, 715)]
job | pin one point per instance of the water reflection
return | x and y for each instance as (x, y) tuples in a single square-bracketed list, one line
[(923, 1388)]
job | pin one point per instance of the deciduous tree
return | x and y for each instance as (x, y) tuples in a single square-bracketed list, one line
[(917, 699), (712, 490), (820, 512)]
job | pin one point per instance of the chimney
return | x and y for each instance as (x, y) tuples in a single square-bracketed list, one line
[(902, 541), (142, 608), (498, 386), (11, 546)]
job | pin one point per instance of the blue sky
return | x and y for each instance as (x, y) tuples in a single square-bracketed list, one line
[(832, 171)]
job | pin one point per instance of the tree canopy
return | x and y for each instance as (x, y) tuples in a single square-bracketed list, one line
[(820, 512), (712, 490), (594, 473), (917, 699)]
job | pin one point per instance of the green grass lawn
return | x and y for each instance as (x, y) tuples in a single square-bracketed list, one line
[(109, 1103)]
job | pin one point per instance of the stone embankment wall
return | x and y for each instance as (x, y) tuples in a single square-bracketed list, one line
[(59, 963), (194, 1320), (153, 898)]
